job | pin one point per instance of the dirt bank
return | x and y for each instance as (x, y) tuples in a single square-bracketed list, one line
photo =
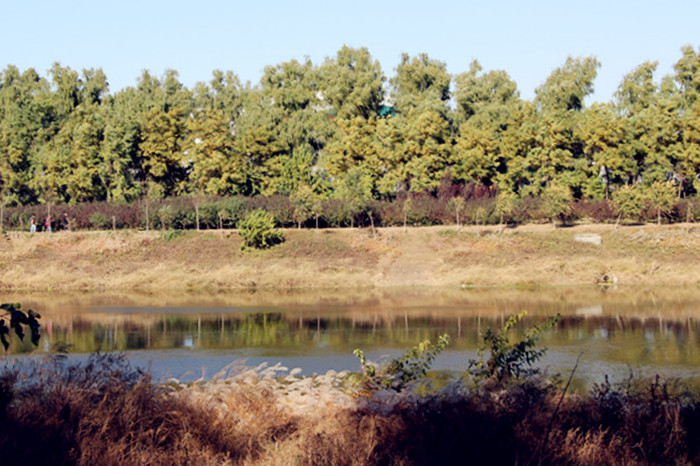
[(525, 256)]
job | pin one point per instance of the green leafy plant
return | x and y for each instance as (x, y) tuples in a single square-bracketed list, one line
[(628, 202), (398, 373), (172, 235), (557, 200), (509, 360), (258, 230), (18, 320), (100, 221)]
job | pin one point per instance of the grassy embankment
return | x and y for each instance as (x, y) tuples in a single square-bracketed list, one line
[(531, 255)]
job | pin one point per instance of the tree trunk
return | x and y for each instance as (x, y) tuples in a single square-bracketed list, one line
[(196, 215)]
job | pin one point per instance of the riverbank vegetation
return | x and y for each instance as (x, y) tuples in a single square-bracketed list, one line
[(105, 411), (339, 143)]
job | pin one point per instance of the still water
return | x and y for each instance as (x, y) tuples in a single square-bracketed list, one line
[(188, 336)]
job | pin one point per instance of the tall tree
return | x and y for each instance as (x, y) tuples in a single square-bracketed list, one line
[(162, 161), (567, 87), (217, 167), (352, 83), (490, 96), (421, 84)]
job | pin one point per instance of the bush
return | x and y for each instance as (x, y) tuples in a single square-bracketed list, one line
[(258, 230), (399, 373), (510, 360), (99, 221)]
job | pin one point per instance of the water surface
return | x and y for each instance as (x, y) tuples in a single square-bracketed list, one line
[(187, 336)]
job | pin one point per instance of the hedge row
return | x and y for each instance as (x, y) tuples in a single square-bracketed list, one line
[(226, 212)]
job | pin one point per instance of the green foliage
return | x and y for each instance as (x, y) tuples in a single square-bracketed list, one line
[(65, 140), (660, 197), (18, 321), (172, 235), (628, 202), (399, 373), (100, 221), (509, 360), (567, 86), (557, 201), (505, 205), (258, 230)]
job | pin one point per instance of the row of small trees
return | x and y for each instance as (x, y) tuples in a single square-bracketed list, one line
[(656, 202)]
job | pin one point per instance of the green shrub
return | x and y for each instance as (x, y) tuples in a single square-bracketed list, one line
[(398, 373), (100, 221), (172, 235), (508, 360), (628, 202), (258, 230)]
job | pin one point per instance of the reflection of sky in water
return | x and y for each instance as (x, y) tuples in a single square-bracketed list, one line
[(615, 334)]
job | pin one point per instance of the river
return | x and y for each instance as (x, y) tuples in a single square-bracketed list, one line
[(188, 336)]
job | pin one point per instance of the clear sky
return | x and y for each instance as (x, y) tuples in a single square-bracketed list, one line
[(527, 39)]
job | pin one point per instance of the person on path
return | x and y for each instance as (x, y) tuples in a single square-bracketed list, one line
[(32, 224), (65, 222), (47, 224)]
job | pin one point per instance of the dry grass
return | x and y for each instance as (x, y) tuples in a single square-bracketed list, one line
[(343, 258), (104, 412)]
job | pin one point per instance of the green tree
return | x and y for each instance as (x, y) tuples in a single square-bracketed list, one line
[(637, 91), (490, 97), (355, 190), (307, 203), (602, 134), (209, 148), (567, 87), (161, 149), (557, 201), (660, 197), (421, 84), (120, 152), (26, 124), (258, 230), (426, 149), (687, 77), (505, 205), (352, 83), (487, 105), (628, 202)]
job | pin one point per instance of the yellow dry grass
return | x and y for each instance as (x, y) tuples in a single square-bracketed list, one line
[(530, 255)]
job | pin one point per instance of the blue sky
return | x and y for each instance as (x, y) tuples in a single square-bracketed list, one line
[(527, 39)]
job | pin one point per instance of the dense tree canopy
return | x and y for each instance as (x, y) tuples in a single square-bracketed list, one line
[(342, 130)]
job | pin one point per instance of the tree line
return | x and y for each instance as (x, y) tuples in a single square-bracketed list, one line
[(341, 131)]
